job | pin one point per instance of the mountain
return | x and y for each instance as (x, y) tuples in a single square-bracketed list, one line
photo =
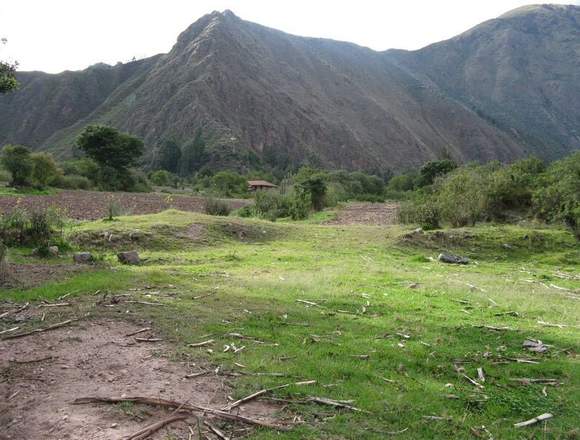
[(521, 72), (499, 91)]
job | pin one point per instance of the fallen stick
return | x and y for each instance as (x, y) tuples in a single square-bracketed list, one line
[(154, 427), (216, 431), (38, 330), (145, 303), (335, 403), (527, 381), (204, 296), (261, 392), (148, 339), (13, 329), (55, 305), (540, 418), (184, 407), (491, 327), (201, 373), (32, 361), (547, 324), (472, 382), (202, 344), (146, 329)]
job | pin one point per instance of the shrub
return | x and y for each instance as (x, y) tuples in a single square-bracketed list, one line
[(73, 182), (45, 171), (271, 205), (38, 228), (433, 169), (216, 207), (423, 213), (315, 187), (558, 196), (5, 176), (162, 178), (300, 204), (17, 159), (461, 196)]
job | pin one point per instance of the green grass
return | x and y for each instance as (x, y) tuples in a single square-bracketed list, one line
[(9, 191), (359, 277)]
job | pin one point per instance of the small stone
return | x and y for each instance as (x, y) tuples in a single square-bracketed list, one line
[(83, 258), (114, 425), (131, 257), (452, 259)]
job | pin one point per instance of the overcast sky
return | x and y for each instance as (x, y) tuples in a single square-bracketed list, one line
[(57, 35)]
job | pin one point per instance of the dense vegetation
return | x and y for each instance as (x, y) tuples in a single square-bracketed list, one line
[(462, 196)]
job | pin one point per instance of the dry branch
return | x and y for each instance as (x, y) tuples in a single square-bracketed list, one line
[(261, 392), (183, 407), (146, 329), (540, 418), (154, 427), (202, 344), (38, 330)]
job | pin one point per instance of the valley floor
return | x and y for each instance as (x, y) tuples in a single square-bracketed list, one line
[(390, 342)]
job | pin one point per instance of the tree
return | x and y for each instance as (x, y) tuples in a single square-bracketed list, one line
[(169, 156), (462, 196), (8, 80), (45, 171), (18, 161), (114, 152), (315, 186), (194, 155), (558, 195), (435, 168)]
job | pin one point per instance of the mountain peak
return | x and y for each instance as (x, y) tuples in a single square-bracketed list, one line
[(544, 9)]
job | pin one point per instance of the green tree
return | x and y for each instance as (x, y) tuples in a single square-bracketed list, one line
[(17, 159), (45, 171), (194, 155), (169, 156), (114, 152), (461, 196), (558, 195), (8, 80), (315, 187), (435, 168), (229, 183)]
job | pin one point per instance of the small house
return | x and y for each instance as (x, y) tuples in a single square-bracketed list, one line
[(256, 185)]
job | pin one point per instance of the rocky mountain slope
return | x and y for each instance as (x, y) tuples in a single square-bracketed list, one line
[(501, 90)]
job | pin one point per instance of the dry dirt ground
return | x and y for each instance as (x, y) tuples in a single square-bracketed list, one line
[(377, 214), (41, 374), (93, 205), (30, 275)]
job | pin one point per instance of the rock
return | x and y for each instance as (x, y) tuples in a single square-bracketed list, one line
[(452, 259), (131, 257), (53, 251), (535, 345), (83, 258)]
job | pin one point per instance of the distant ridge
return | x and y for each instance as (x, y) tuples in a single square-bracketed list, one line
[(504, 89)]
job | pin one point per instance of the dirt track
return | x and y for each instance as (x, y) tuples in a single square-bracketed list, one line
[(92, 205), (40, 376), (376, 214)]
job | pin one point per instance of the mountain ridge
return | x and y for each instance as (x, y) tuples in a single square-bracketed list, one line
[(257, 91)]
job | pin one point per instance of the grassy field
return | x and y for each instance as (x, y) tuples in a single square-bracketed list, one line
[(372, 317)]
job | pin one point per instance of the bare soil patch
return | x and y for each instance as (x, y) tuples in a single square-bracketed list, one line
[(40, 376), (31, 275), (375, 214), (93, 205)]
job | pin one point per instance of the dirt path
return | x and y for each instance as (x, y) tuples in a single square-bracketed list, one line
[(376, 214), (93, 205), (40, 375)]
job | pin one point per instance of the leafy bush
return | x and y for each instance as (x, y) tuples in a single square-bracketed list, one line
[(45, 171), (558, 196), (216, 207), (434, 169), (461, 196), (37, 228), (425, 214), (73, 182), (272, 205), (17, 159)]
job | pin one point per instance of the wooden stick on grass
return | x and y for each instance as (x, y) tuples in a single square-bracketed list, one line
[(184, 407), (154, 427), (38, 330)]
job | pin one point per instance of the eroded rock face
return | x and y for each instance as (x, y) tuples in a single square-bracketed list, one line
[(483, 95), (83, 258), (130, 257)]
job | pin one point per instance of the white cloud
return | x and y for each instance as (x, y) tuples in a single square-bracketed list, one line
[(71, 34)]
